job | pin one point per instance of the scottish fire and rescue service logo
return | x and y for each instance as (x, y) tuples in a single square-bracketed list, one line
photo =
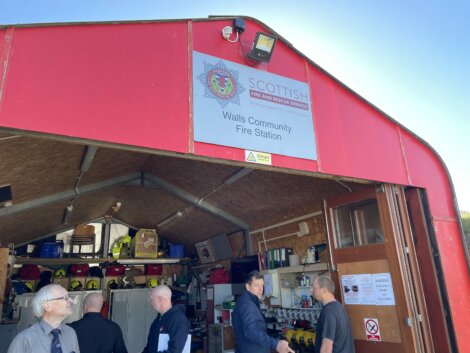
[(221, 84)]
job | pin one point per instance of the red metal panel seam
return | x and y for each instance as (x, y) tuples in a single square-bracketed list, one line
[(190, 88), (403, 155), (307, 75), (4, 59), (445, 219)]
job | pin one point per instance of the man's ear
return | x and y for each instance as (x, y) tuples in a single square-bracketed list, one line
[(46, 306), (247, 286)]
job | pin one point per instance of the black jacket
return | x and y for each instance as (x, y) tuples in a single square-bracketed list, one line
[(175, 324), (250, 328), (97, 334)]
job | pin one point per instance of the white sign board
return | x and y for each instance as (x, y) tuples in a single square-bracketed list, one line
[(238, 106), (368, 289), (372, 329)]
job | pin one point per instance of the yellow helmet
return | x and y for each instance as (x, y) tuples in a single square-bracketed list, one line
[(92, 284), (60, 273), (29, 286), (289, 335), (75, 285), (152, 282)]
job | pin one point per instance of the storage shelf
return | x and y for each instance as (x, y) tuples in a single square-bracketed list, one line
[(296, 287), (321, 266), (79, 260)]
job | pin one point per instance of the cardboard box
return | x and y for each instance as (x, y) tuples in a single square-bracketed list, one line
[(140, 279), (144, 245)]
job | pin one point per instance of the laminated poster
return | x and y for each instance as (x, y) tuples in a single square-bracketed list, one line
[(368, 289)]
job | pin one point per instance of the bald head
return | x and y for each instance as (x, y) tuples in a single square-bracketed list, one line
[(93, 303), (162, 291), (160, 298)]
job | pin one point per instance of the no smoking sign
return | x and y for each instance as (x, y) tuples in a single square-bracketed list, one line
[(372, 329)]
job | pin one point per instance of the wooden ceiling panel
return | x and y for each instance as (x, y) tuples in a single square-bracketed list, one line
[(263, 198), (195, 177), (146, 207), (37, 167), (111, 163), (23, 227), (196, 225), (94, 205)]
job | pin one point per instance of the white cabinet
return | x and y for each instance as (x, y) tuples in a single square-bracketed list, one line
[(294, 293)]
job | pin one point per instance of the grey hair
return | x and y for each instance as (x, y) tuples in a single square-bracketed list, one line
[(45, 294), (94, 300), (326, 282), (162, 291)]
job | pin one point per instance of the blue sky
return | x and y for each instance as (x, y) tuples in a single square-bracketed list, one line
[(409, 58)]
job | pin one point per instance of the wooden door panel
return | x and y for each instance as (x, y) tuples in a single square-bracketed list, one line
[(396, 334), (386, 315)]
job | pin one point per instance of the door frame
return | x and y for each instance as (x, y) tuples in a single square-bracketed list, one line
[(392, 250)]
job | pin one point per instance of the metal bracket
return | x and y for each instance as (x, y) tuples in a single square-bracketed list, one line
[(409, 321)]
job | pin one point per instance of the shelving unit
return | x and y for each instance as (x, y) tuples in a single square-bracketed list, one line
[(78, 260), (288, 283)]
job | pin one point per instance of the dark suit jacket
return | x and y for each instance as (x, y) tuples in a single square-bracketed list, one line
[(97, 334)]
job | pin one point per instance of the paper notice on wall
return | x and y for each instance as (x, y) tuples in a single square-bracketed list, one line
[(358, 289), (268, 284), (368, 289), (383, 289), (351, 291)]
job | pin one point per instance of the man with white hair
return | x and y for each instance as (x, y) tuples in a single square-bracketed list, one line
[(52, 305), (171, 320), (95, 333)]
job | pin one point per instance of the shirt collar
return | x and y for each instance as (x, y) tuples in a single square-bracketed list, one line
[(46, 327)]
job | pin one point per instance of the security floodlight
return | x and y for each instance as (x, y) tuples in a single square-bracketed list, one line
[(263, 47)]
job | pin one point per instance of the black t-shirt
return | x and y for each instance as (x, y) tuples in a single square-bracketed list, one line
[(334, 324)]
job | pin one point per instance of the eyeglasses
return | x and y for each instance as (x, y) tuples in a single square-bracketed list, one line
[(65, 297)]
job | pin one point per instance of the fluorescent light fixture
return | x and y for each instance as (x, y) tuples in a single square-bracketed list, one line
[(263, 47), (169, 219), (67, 214)]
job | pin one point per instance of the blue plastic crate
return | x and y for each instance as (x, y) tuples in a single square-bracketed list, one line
[(52, 250), (176, 251)]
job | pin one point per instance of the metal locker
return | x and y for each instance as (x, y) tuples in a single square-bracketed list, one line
[(132, 311)]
